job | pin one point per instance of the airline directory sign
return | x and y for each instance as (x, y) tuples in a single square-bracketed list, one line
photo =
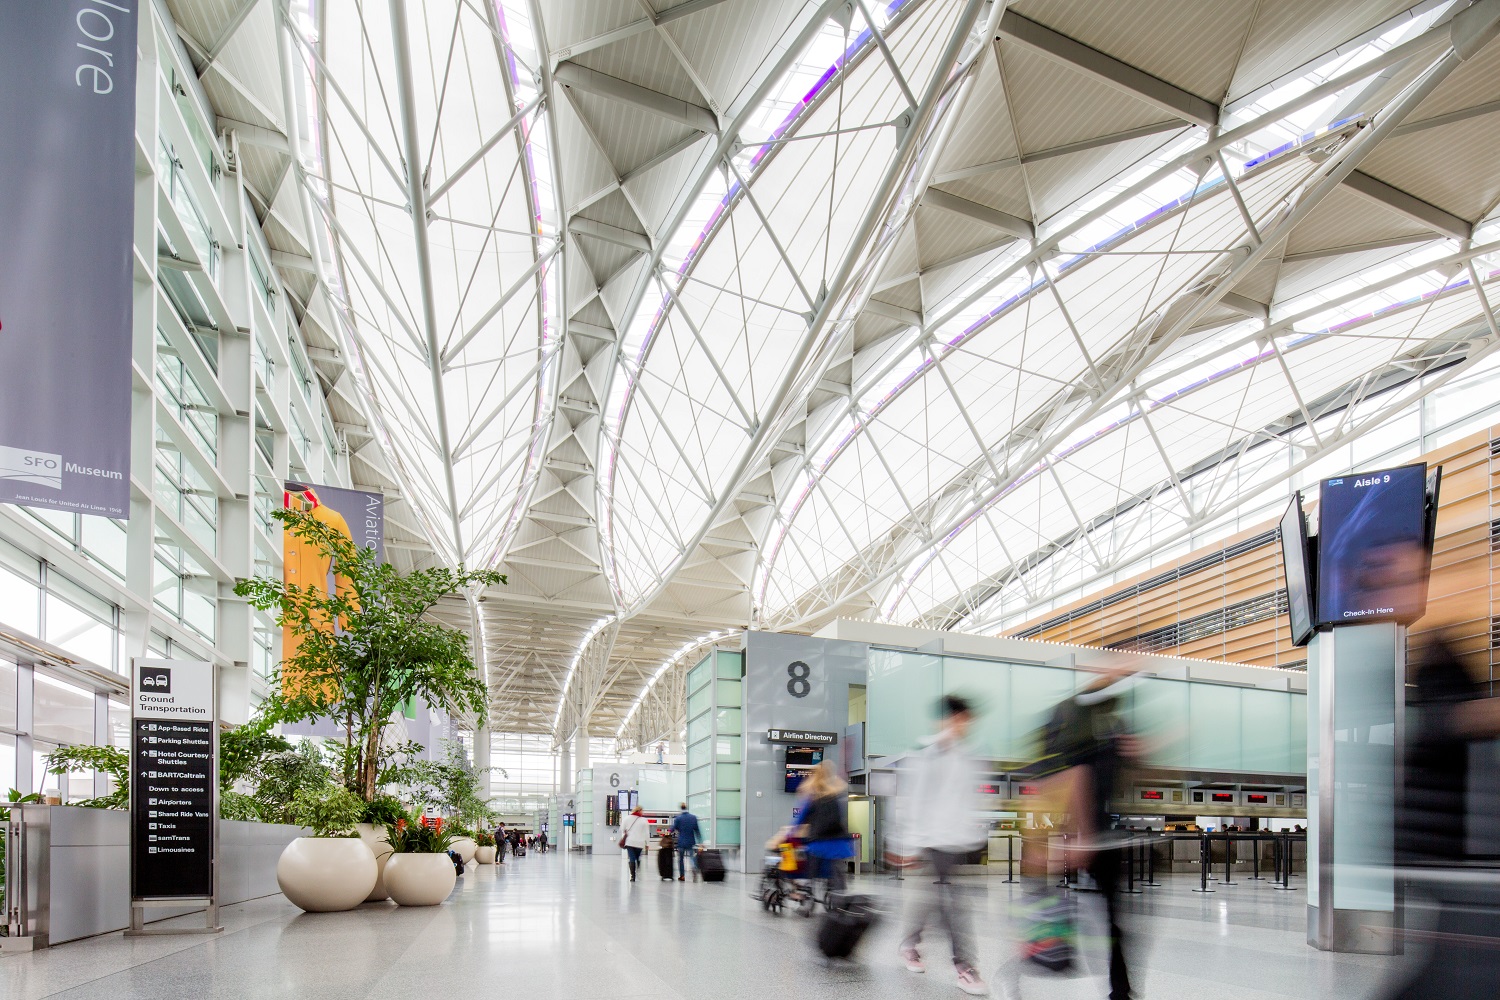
[(174, 778)]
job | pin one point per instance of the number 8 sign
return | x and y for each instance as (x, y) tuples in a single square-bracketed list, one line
[(798, 686)]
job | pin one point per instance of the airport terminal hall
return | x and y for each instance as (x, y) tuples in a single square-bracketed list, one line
[(749, 499)]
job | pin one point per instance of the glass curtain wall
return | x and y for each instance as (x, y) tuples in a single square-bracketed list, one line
[(227, 405)]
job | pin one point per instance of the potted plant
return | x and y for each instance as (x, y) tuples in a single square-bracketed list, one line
[(332, 869), (485, 854), (387, 651), (419, 872), (377, 817)]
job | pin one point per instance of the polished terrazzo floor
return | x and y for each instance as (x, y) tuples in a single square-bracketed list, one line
[(570, 926)]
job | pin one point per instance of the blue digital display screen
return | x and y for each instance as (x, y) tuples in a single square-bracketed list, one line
[(1372, 546)]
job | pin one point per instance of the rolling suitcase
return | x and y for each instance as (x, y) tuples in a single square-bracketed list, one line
[(664, 861), (711, 864), (845, 923)]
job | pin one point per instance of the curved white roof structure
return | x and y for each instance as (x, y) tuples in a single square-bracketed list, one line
[(699, 315)]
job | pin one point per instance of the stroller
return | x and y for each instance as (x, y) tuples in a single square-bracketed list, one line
[(786, 881)]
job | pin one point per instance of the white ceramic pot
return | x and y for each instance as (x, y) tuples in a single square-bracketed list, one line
[(420, 879), (377, 840), (323, 874), (465, 848), (485, 856)]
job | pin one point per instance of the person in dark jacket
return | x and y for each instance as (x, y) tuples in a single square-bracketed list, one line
[(1448, 714), (822, 804), (501, 843), (687, 834)]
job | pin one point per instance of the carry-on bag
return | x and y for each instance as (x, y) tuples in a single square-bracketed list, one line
[(711, 864), (848, 918), (664, 862), (1051, 935)]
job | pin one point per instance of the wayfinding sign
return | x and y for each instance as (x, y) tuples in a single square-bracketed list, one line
[(803, 737), (174, 779)]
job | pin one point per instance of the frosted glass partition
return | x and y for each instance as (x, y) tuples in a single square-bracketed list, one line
[(714, 743), (1195, 725), (902, 692), (662, 790)]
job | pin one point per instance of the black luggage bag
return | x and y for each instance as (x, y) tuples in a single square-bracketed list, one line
[(848, 918), (711, 864), (664, 862)]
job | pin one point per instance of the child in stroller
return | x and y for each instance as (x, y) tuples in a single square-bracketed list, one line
[(786, 879)]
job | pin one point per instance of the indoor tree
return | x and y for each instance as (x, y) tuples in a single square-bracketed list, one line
[(369, 647)]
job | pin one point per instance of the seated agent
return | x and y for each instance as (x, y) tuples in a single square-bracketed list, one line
[(685, 826)]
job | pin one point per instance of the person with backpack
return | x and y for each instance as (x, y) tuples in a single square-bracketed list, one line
[(1086, 750), (634, 830), (687, 834), (501, 843), (822, 805)]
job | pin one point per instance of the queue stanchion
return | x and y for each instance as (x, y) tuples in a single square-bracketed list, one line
[(1010, 860), (1228, 858), (1256, 840), (1283, 862), (1130, 853), (1203, 859), (1151, 864)]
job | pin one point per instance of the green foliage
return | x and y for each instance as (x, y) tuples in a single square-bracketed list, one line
[(386, 653), (281, 776), (331, 811), (484, 839), (244, 749), (111, 760), (451, 785), (238, 805), (414, 838), (383, 810)]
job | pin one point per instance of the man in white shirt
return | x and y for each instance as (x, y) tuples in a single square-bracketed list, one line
[(939, 824)]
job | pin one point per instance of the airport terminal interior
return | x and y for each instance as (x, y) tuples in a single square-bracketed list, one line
[(698, 499)]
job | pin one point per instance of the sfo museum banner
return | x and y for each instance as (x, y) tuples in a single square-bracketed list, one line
[(67, 204)]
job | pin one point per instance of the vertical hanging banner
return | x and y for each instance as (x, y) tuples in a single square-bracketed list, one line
[(67, 207), (174, 779), (358, 514)]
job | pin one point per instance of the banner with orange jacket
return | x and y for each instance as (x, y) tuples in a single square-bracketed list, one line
[(359, 514)]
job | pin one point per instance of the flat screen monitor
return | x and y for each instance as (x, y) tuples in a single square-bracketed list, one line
[(1295, 562), (799, 761), (1372, 546)]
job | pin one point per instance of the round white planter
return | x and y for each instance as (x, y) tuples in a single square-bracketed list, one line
[(323, 874), (465, 848), (420, 879), (485, 855), (375, 838)]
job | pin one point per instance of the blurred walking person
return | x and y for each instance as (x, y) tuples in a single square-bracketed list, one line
[(821, 819), (938, 824), (1086, 749), (1451, 900)]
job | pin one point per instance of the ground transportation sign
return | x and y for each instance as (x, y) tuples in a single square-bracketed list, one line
[(67, 209), (174, 779)]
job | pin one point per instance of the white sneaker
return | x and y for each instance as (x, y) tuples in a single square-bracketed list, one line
[(913, 960), (970, 983)]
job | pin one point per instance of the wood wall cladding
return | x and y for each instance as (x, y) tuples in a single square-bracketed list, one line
[(1228, 602)]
